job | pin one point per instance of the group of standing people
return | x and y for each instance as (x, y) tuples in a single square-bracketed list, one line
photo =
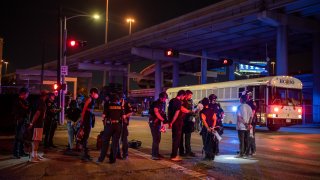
[(181, 120), (30, 127)]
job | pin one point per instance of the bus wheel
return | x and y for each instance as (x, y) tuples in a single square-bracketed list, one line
[(273, 128)]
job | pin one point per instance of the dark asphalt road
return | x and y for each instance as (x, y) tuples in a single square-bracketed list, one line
[(291, 153)]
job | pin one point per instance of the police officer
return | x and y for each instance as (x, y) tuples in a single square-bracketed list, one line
[(188, 127), (87, 120), (157, 115), (215, 106), (22, 113), (127, 112), (112, 128), (51, 120)]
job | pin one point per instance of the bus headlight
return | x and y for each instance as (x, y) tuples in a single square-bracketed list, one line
[(300, 116), (234, 108)]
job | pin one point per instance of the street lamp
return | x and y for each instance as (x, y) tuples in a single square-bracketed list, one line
[(64, 52), (273, 63), (130, 21), (6, 63)]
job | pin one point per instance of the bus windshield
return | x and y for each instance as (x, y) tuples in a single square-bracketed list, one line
[(285, 96)]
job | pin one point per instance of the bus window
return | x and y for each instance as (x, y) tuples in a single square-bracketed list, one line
[(294, 96), (234, 93), (278, 96)]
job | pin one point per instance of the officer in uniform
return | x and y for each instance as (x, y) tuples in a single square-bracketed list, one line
[(51, 120), (157, 115), (112, 128), (188, 127), (22, 113), (127, 112), (215, 106), (87, 120)]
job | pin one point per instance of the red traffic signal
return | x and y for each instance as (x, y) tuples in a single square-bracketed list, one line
[(171, 53), (56, 87), (73, 43), (226, 62), (76, 43)]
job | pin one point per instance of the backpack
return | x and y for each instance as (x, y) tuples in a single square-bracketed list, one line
[(135, 144)]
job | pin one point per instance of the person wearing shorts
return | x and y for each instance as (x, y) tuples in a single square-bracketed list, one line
[(37, 125)]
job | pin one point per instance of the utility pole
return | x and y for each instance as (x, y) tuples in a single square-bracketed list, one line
[(1, 50)]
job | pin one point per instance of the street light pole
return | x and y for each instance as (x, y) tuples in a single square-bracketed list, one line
[(107, 21), (130, 21), (6, 63), (64, 60)]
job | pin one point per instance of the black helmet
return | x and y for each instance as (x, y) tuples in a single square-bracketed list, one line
[(212, 97)]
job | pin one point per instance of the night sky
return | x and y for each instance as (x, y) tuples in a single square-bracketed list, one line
[(30, 28)]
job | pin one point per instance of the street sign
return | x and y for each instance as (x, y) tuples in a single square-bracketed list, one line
[(64, 70)]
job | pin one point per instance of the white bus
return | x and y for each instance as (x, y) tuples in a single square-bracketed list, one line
[(278, 98)]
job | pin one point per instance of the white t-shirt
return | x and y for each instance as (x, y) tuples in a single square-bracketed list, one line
[(245, 111)]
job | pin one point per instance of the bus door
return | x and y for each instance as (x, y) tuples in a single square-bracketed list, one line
[(259, 96)]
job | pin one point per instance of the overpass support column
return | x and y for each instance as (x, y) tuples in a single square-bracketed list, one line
[(175, 76), (112, 77), (282, 50), (204, 67), (316, 78), (157, 80), (231, 72), (104, 78)]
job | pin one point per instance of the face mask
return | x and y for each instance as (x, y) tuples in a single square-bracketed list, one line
[(95, 96)]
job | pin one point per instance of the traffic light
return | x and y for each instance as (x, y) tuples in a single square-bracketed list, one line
[(76, 43), (225, 62), (171, 53), (56, 87)]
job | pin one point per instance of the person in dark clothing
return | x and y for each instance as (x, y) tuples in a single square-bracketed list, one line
[(51, 121), (112, 128), (157, 116), (188, 127), (215, 106), (209, 119), (37, 126), (176, 113), (252, 142), (21, 116), (127, 112), (73, 114), (87, 121)]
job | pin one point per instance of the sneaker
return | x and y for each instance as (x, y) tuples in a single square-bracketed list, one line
[(34, 160), (53, 146), (24, 154), (238, 156), (192, 154), (125, 158), (40, 157), (16, 157), (245, 157), (155, 158), (177, 158), (98, 162)]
